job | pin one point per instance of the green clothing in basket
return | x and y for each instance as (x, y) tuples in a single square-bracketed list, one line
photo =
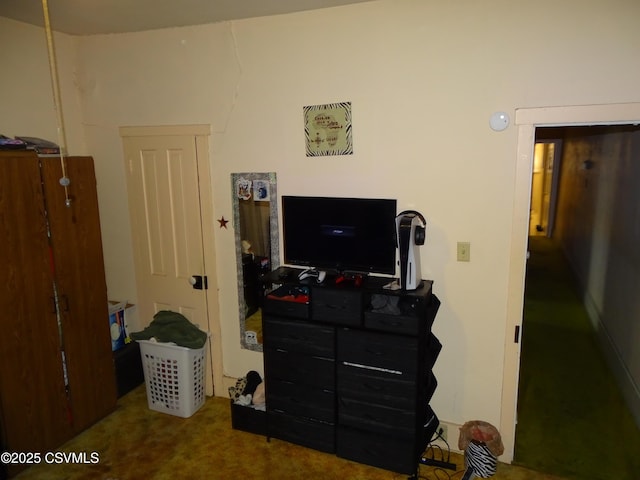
[(168, 326)]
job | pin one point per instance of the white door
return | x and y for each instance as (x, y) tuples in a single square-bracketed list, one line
[(166, 213)]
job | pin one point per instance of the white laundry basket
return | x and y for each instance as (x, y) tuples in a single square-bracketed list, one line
[(174, 377)]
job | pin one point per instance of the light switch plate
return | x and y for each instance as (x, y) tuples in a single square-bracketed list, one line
[(464, 251)]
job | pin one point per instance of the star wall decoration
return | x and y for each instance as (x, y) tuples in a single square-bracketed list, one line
[(223, 222)]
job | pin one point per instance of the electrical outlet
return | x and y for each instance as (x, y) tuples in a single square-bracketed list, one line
[(464, 251), (442, 430)]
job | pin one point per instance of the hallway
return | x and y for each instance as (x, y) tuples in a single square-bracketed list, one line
[(572, 420)]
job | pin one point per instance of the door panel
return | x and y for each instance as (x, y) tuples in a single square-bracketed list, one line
[(174, 158), (164, 204), (33, 401), (82, 290)]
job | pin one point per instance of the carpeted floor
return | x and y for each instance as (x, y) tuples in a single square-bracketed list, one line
[(137, 443), (572, 419)]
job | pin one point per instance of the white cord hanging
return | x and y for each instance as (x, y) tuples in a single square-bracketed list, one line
[(64, 181)]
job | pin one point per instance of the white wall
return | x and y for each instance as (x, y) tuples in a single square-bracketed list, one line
[(423, 77), (26, 91)]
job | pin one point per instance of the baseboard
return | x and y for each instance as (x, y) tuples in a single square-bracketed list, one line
[(629, 389)]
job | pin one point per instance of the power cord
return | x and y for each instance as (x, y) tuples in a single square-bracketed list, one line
[(429, 455), (439, 460)]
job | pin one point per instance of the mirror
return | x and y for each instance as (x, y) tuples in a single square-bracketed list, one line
[(255, 222)]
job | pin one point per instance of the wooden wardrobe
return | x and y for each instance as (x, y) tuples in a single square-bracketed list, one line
[(56, 365)]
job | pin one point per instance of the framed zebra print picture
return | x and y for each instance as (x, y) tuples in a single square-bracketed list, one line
[(327, 129)]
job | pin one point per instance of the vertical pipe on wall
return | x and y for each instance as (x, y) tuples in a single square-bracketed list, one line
[(64, 181)]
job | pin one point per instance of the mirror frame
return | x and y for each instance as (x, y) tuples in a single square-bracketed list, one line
[(274, 239)]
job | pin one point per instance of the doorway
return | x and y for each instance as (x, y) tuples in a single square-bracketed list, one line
[(170, 205), (527, 121), (544, 186), (567, 389)]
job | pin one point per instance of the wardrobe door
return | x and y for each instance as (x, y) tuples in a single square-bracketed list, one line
[(32, 391), (79, 271)]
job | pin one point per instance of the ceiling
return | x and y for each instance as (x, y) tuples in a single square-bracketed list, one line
[(88, 17)]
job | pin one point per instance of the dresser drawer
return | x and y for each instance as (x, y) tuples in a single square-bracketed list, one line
[(395, 354), (248, 419), (411, 316), (302, 431), (297, 368), (298, 336), (432, 351), (288, 301), (338, 306), (376, 387), (301, 400), (430, 385), (395, 453), (375, 417)]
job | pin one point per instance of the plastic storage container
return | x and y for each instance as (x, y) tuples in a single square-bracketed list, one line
[(174, 377)]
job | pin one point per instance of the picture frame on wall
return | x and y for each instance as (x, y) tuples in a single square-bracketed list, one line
[(328, 130), (261, 190)]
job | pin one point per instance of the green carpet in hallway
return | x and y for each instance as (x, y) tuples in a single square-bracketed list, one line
[(572, 419)]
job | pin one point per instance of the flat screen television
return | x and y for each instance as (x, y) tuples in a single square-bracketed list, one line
[(355, 235)]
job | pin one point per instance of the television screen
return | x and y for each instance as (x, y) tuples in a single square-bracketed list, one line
[(340, 234)]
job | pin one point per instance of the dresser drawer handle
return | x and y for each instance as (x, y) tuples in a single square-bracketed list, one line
[(371, 367)]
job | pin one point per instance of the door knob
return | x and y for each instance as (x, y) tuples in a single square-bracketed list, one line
[(199, 282)]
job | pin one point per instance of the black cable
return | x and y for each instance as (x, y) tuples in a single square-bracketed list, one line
[(440, 437), (431, 460), (430, 452), (441, 473), (438, 474)]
